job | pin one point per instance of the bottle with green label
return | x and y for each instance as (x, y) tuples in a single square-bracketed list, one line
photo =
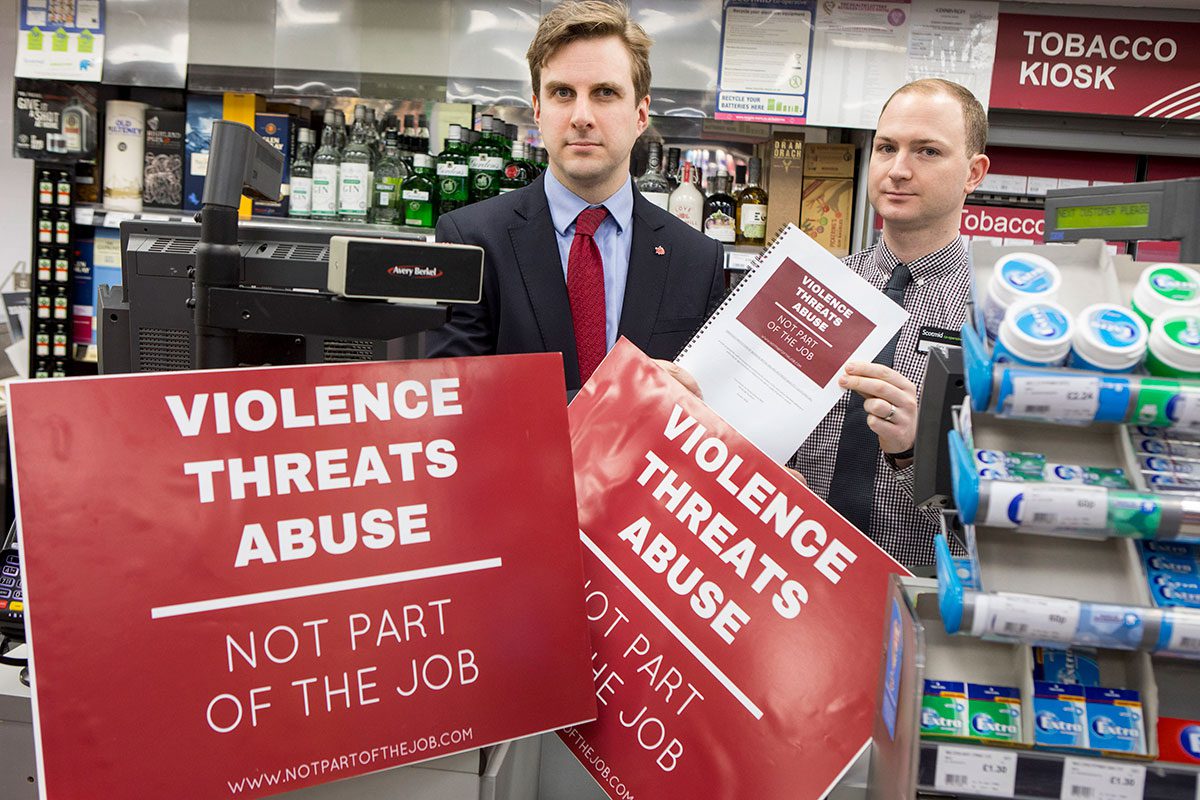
[(453, 173), (354, 177), (419, 193), (326, 164), (486, 161), (300, 205)]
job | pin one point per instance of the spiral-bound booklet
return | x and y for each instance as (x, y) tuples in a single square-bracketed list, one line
[(768, 360)]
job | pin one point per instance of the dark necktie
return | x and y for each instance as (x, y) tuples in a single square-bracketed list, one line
[(853, 485), (585, 288)]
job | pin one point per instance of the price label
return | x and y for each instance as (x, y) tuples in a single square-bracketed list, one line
[(1027, 617), (1185, 631), (1089, 779), (971, 770), (1061, 399), (113, 219), (155, 217), (1054, 507), (84, 216)]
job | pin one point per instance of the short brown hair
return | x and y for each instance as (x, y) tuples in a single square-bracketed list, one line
[(974, 117), (590, 19)]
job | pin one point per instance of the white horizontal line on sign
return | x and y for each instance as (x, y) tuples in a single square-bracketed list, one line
[(275, 595), (704, 660), (808, 327)]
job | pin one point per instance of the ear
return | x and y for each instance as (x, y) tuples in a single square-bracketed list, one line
[(978, 169), (537, 111), (643, 114)]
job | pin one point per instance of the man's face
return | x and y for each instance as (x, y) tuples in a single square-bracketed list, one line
[(920, 173), (588, 115)]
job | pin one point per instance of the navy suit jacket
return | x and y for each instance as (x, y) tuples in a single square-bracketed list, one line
[(676, 279)]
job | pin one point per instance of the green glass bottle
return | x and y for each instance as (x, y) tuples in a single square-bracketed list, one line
[(419, 193), (453, 173), (518, 171), (486, 161)]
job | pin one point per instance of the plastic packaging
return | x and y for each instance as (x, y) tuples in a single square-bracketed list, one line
[(1017, 277), (1165, 288), (1034, 333), (1108, 338), (1174, 346), (1025, 466)]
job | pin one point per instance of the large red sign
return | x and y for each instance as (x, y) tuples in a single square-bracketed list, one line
[(996, 222), (736, 619), (1094, 65), (249, 581)]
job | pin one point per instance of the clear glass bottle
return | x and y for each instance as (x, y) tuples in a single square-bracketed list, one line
[(300, 202), (422, 134), (326, 168), (453, 173), (752, 208), (354, 178), (518, 171), (390, 173), (373, 137), (486, 161), (653, 183), (339, 126), (687, 202), (419, 194), (720, 210)]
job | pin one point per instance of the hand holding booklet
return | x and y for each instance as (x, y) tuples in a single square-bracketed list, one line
[(768, 360)]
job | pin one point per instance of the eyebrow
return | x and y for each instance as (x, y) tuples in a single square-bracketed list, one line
[(551, 86), (917, 142)]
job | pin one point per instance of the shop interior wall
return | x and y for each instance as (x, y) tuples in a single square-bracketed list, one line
[(16, 175)]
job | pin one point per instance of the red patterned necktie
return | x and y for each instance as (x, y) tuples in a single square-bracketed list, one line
[(585, 288)]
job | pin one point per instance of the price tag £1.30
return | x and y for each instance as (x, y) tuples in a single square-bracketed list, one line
[(1091, 779), (976, 770)]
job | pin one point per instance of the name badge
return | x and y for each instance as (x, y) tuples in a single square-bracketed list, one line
[(940, 337)]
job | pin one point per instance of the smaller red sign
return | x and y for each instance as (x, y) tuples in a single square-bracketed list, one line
[(1003, 223), (827, 330), (1179, 740)]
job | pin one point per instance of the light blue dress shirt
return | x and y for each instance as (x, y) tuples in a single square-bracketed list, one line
[(614, 238)]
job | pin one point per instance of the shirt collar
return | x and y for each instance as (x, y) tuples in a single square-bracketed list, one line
[(565, 205), (927, 266)]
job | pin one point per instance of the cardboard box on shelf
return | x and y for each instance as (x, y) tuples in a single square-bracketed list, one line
[(785, 180), (829, 161), (275, 128), (826, 212), (162, 185)]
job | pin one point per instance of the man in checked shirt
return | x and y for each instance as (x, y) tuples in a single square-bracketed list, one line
[(927, 157)]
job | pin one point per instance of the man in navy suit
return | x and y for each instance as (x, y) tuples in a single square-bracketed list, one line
[(579, 257)]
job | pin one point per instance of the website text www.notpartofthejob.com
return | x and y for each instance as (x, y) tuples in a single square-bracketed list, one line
[(382, 756)]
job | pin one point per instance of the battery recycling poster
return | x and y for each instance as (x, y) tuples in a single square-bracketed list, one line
[(244, 582), (61, 39), (737, 621)]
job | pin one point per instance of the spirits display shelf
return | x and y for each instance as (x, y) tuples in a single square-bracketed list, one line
[(100, 217)]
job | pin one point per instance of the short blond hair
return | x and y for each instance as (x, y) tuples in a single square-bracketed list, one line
[(590, 19), (974, 117)]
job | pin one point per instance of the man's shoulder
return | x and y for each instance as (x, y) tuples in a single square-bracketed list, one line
[(673, 229)]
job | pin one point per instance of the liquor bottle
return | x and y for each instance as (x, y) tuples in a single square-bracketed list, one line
[(373, 138), (354, 177), (752, 208), (390, 173), (672, 171), (300, 205), (486, 162), (541, 160), (452, 173), (720, 208), (422, 134), (518, 171), (419, 193), (339, 127), (653, 184), (687, 202), (326, 166), (739, 180), (410, 133)]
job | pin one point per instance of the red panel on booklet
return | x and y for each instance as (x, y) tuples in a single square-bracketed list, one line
[(736, 620), (245, 582)]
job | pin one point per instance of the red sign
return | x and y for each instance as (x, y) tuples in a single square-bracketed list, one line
[(1003, 223), (793, 294), (1092, 65), (250, 581), (1179, 740), (736, 619)]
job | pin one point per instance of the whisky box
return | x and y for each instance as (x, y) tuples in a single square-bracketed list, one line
[(785, 180), (276, 129), (202, 112), (162, 184), (826, 213), (829, 161)]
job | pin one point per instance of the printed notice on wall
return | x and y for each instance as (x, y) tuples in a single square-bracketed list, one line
[(863, 50), (769, 359), (765, 60), (736, 619), (282, 562), (60, 39)]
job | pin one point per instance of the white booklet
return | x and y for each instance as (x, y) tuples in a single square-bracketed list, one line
[(769, 359)]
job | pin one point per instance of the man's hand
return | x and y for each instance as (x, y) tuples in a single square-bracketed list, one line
[(682, 375), (890, 400)]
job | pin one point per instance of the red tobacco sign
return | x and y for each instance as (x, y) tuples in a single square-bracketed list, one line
[(1096, 65), (244, 582), (736, 619)]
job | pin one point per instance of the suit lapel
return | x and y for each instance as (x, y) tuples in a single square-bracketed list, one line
[(649, 260), (535, 246)]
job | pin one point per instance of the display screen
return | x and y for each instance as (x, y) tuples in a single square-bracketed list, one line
[(1113, 215)]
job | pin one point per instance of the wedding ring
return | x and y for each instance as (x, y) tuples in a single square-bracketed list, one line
[(891, 413)]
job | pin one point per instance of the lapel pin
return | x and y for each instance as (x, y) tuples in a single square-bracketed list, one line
[(660, 251)]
